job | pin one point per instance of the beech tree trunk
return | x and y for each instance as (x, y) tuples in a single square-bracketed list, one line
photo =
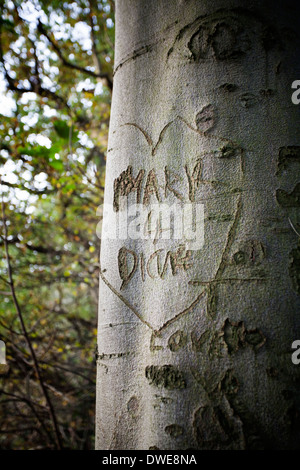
[(194, 343)]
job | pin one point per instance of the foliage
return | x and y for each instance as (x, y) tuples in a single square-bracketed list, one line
[(56, 63)]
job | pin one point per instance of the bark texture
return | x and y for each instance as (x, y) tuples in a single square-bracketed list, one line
[(194, 346)]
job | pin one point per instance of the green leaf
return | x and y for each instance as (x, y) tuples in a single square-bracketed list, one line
[(57, 165), (62, 128)]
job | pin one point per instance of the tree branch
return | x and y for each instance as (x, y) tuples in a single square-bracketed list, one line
[(55, 46), (29, 190), (31, 405)]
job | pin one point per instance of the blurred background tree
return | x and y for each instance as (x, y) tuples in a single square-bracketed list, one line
[(56, 62)]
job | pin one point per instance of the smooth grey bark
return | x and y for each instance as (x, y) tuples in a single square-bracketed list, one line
[(196, 353)]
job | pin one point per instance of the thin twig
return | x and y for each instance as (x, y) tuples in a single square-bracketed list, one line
[(32, 406), (77, 167)]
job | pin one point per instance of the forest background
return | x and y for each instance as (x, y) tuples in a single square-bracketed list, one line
[(56, 63)]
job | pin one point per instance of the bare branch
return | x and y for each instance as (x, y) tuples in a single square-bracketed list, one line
[(67, 63)]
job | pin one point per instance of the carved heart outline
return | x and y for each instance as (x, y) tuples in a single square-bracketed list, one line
[(200, 132), (136, 312)]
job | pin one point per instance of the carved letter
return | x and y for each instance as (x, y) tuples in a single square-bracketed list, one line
[(124, 272), (125, 184)]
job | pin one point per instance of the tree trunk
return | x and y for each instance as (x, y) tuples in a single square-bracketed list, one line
[(195, 341)]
